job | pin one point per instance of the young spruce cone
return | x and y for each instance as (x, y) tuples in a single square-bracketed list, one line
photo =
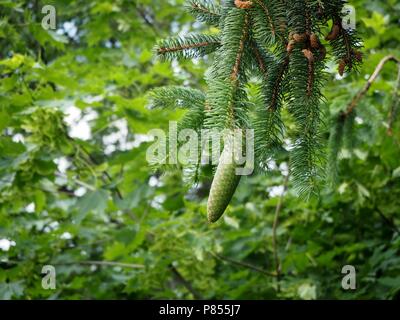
[(224, 184)]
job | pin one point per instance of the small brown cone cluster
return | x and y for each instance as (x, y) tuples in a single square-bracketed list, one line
[(342, 67), (290, 46), (309, 55), (344, 63), (358, 55), (347, 63), (298, 38), (335, 32), (312, 49), (314, 41), (243, 4), (309, 41)]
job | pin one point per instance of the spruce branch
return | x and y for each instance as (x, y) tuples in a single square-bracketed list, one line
[(234, 37), (205, 11), (192, 46), (263, 23), (260, 60), (277, 84), (268, 125), (181, 97), (239, 56), (176, 97), (345, 44), (277, 43), (225, 97), (334, 146), (268, 15)]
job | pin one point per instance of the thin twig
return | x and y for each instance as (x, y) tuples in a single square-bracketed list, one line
[(354, 102), (389, 222), (239, 56), (94, 162), (202, 9), (278, 268), (185, 283), (278, 84), (163, 50), (243, 264), (114, 264), (105, 264), (268, 15), (395, 104), (259, 58), (77, 181), (147, 21)]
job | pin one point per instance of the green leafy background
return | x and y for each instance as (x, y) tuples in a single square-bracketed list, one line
[(76, 191)]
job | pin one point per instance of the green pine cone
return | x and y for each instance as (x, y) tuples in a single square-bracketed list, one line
[(223, 186)]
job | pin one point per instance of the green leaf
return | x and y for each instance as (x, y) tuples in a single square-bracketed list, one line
[(11, 290), (92, 201)]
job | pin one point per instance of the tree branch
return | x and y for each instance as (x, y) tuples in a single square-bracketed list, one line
[(243, 264), (278, 267), (354, 102), (185, 283), (93, 161), (389, 222), (77, 181), (185, 47), (147, 21), (395, 104), (106, 264), (239, 56), (259, 59), (268, 15)]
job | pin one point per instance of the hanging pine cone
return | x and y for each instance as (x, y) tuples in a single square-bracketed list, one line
[(224, 184)]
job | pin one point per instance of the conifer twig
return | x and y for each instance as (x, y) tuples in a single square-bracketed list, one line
[(259, 59), (277, 85), (185, 47), (236, 67), (198, 7), (268, 15), (278, 210)]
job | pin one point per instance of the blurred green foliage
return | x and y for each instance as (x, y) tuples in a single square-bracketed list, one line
[(115, 229)]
